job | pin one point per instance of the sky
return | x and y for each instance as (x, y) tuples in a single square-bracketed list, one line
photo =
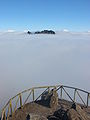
[(45, 14)]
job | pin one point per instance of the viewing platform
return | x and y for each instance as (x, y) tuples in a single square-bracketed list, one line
[(46, 102)]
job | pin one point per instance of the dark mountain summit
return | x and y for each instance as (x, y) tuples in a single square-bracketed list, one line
[(45, 32), (42, 32)]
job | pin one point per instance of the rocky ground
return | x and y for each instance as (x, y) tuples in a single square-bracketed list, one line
[(65, 110)]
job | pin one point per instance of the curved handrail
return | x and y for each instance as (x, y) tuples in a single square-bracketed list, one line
[(9, 105)]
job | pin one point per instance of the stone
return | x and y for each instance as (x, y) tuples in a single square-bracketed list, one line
[(28, 117), (73, 115), (54, 99), (53, 118), (36, 117), (59, 113), (77, 113), (51, 97)]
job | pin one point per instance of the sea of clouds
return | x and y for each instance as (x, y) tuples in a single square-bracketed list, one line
[(35, 60)]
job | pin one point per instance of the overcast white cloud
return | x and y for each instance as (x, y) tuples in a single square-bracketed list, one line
[(10, 30), (66, 30), (35, 60)]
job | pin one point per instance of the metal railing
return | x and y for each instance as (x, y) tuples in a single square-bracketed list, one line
[(17, 101)]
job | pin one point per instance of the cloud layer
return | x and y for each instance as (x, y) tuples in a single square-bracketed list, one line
[(35, 60)]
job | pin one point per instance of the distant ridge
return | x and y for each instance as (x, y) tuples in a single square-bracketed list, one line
[(43, 32)]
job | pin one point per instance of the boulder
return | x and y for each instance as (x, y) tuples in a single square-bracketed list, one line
[(51, 97), (54, 99), (77, 113), (60, 114), (73, 115)]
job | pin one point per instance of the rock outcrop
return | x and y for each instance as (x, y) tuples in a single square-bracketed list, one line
[(74, 113), (51, 97)]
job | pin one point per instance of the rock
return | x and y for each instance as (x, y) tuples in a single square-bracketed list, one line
[(74, 106), (54, 99), (81, 112), (59, 113), (28, 117), (53, 118), (77, 114), (35, 117), (73, 115), (45, 96), (51, 97)]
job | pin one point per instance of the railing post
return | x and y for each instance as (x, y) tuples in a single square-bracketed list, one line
[(87, 99), (55, 88), (4, 116), (48, 90), (33, 95), (75, 91), (8, 114), (10, 104), (81, 98), (61, 92), (20, 96)]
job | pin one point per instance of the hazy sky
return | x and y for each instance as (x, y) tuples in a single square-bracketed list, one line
[(45, 14)]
